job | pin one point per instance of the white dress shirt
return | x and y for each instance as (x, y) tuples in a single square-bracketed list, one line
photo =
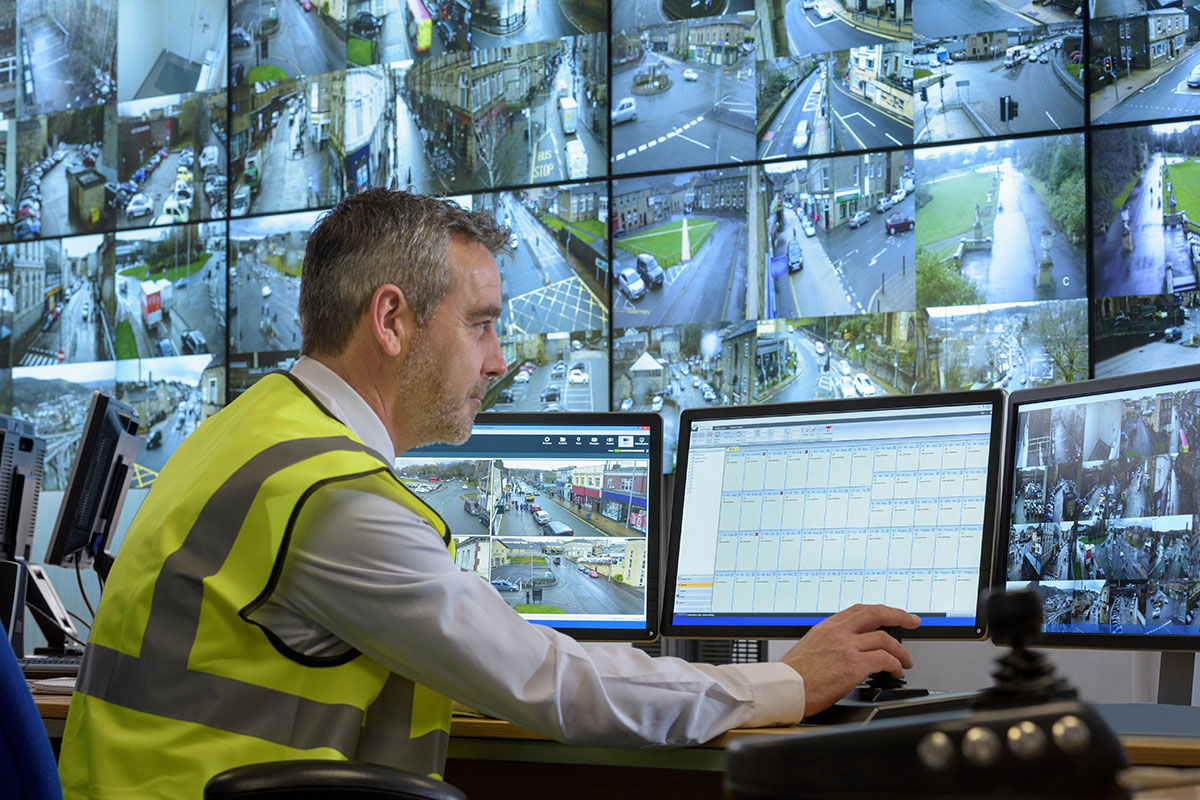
[(364, 573)]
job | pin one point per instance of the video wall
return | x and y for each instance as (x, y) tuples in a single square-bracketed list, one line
[(711, 201)]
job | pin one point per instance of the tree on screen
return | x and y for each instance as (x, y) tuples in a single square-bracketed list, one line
[(1062, 328), (939, 283)]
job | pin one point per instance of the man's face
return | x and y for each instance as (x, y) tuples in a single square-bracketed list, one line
[(455, 355)]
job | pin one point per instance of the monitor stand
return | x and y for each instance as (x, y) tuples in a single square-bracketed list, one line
[(24, 585), (1172, 715)]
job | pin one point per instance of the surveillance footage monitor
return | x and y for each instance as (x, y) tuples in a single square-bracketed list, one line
[(1099, 509), (559, 513), (97, 487), (789, 513)]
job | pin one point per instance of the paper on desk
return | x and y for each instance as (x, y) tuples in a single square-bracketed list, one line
[(64, 685)]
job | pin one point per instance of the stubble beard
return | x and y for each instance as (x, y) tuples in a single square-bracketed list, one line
[(435, 415)]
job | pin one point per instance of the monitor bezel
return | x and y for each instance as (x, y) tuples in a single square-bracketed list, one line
[(976, 632), (1082, 389), (95, 551), (654, 423)]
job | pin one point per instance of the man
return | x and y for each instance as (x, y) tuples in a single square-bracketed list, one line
[(282, 595)]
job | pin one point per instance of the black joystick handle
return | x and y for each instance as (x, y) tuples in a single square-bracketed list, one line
[(1023, 676), (884, 679), (1014, 618)]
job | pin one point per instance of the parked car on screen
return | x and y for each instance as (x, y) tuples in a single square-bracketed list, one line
[(365, 25), (183, 194), (239, 37), (241, 201), (174, 209), (809, 228), (27, 229), (859, 218), (649, 270), (898, 222), (631, 283), (194, 342), (864, 386), (795, 258)]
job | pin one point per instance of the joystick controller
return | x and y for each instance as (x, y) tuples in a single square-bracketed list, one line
[(1028, 739), (1022, 676), (883, 686)]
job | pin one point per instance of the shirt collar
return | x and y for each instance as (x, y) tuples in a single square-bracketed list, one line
[(346, 404)]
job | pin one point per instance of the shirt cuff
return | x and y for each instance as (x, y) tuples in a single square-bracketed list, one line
[(778, 693)]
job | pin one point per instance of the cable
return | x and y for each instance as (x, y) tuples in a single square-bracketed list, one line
[(81, 620), (56, 624), (79, 580)]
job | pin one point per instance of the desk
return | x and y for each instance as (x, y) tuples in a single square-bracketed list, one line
[(492, 758)]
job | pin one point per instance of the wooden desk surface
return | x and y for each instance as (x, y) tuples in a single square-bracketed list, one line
[(494, 739), (489, 756)]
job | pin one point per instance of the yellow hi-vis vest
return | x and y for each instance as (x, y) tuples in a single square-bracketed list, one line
[(177, 684)]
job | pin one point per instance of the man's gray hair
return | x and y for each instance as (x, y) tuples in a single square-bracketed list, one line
[(374, 238)]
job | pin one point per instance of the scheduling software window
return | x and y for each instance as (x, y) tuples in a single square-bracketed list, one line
[(788, 520)]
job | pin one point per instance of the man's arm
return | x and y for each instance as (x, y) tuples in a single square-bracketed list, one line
[(365, 572)]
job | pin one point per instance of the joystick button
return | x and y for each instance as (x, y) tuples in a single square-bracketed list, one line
[(1071, 734), (936, 751), (1026, 740), (981, 746)]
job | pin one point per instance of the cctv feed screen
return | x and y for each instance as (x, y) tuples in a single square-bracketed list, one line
[(786, 520), (1103, 511), (553, 516)]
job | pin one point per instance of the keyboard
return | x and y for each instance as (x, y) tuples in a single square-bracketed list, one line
[(49, 666)]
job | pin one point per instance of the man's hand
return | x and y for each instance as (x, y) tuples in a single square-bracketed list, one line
[(842, 651)]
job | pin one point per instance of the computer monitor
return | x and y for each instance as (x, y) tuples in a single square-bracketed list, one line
[(23, 585), (22, 453), (559, 512), (97, 487), (786, 514), (1099, 512)]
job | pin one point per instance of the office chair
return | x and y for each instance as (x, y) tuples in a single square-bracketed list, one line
[(325, 780), (27, 766)]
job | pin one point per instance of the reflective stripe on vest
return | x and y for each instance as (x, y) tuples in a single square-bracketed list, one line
[(159, 681)]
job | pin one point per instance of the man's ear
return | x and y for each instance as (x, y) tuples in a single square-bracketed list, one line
[(391, 319)]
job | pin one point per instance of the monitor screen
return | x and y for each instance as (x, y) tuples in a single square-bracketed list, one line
[(96, 489), (560, 513), (787, 514), (1099, 508)]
